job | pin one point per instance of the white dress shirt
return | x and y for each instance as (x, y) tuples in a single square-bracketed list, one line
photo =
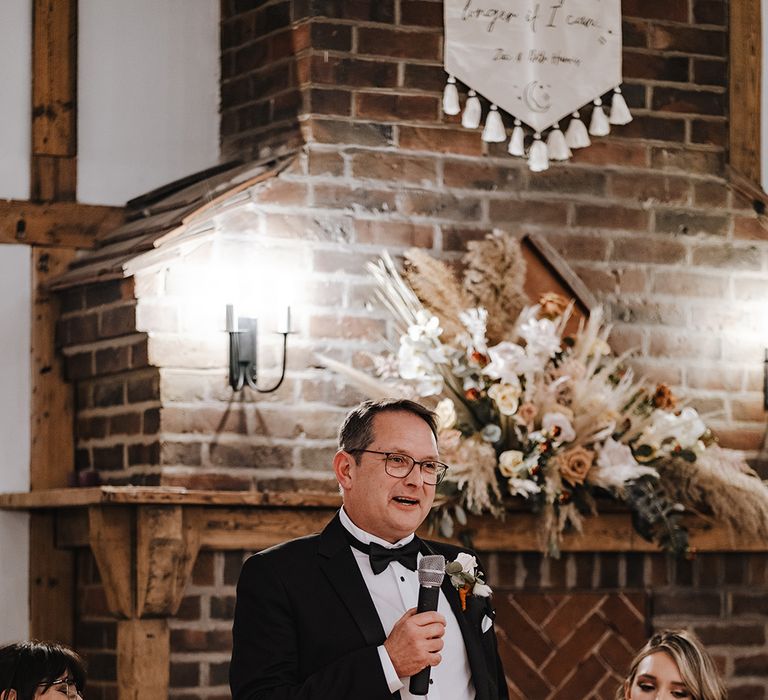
[(395, 590)]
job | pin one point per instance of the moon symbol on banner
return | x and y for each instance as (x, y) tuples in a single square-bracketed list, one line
[(536, 97)]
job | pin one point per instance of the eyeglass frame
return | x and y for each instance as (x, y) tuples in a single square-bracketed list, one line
[(66, 680), (415, 462)]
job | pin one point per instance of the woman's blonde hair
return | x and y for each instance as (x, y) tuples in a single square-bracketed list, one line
[(694, 663)]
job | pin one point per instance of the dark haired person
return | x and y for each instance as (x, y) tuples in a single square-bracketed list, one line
[(319, 617), (35, 670)]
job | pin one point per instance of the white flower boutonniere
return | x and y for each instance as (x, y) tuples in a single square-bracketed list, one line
[(466, 578)]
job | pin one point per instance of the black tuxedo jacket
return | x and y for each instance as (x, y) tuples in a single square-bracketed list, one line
[(306, 628)]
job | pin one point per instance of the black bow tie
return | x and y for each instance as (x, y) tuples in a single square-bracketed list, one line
[(380, 556)]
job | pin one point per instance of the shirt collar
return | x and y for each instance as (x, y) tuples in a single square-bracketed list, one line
[(367, 537)]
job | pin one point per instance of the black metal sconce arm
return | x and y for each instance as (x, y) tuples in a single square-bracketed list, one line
[(243, 356)]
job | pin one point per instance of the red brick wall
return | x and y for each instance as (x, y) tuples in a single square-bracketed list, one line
[(566, 626), (645, 216)]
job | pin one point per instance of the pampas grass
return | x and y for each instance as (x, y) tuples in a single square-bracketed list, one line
[(720, 482), (366, 384), (473, 471), (494, 277), (436, 287)]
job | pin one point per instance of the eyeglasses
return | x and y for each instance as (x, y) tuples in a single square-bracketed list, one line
[(400, 466), (64, 686)]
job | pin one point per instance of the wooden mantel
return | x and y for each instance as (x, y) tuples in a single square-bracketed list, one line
[(145, 541), (230, 520)]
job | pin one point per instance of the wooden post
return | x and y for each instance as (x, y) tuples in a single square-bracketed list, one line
[(51, 570), (143, 670), (744, 85), (145, 557), (53, 442), (54, 100)]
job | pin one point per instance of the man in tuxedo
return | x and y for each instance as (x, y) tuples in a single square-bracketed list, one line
[(332, 615)]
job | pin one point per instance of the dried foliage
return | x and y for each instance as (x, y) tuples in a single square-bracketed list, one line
[(435, 284), (494, 278), (720, 484)]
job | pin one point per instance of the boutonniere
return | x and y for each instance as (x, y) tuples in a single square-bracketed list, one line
[(467, 578)]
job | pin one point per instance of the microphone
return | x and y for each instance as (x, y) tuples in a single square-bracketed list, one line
[(431, 574)]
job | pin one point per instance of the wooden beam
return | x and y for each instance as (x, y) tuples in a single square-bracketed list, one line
[(744, 81), (60, 224), (52, 430), (54, 100)]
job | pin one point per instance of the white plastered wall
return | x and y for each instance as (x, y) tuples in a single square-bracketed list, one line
[(15, 373), (147, 96), (15, 88)]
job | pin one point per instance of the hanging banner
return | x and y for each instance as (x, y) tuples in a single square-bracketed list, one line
[(539, 61)]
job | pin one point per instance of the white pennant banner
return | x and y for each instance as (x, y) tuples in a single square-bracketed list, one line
[(540, 62)]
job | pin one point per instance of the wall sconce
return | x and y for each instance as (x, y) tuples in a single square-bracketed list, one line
[(243, 351), (765, 381)]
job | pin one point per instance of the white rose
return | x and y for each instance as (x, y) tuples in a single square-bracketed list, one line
[(558, 420), (481, 589), (616, 465), (507, 361), (468, 563)]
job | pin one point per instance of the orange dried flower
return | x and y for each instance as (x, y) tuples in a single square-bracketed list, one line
[(664, 398), (472, 394), (463, 593), (552, 305)]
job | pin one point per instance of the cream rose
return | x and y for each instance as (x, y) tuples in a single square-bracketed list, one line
[(509, 461), (506, 397)]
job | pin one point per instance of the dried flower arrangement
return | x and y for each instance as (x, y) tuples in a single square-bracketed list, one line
[(526, 410)]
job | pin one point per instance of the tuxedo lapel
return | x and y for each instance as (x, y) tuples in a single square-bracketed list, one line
[(339, 565), (475, 655), (471, 637)]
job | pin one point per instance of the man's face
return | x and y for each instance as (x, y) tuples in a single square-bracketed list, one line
[(384, 505)]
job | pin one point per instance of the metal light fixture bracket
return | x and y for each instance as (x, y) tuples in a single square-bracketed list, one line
[(243, 356)]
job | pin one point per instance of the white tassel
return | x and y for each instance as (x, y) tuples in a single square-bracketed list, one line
[(470, 119), (620, 113), (598, 125), (538, 161), (494, 131), (556, 145), (517, 140), (451, 104), (576, 135)]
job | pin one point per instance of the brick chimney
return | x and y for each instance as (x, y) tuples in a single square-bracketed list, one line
[(335, 109)]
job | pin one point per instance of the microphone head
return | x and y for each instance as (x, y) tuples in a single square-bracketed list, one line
[(431, 570)]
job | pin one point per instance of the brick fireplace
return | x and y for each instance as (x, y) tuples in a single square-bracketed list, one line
[(332, 111)]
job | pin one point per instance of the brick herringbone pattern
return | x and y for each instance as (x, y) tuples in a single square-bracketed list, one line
[(568, 646)]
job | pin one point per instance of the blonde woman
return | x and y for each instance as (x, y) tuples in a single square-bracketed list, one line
[(673, 664)]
